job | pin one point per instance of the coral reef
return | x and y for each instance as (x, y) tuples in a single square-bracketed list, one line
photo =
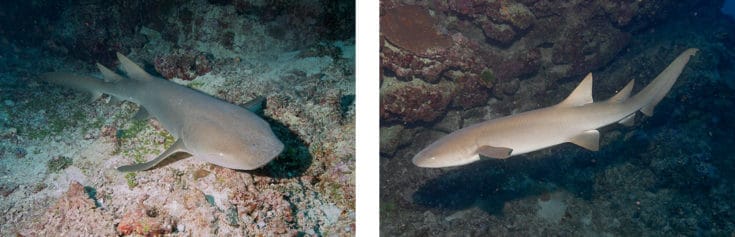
[(183, 64), (513, 39), (61, 218), (145, 220), (415, 101)]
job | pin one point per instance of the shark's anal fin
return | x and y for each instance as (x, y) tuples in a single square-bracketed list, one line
[(589, 139), (581, 95), (494, 152), (628, 120), (178, 146)]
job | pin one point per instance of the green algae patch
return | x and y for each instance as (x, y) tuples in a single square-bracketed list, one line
[(130, 178), (58, 163), (488, 77)]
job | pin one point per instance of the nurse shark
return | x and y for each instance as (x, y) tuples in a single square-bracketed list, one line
[(575, 120), (210, 129)]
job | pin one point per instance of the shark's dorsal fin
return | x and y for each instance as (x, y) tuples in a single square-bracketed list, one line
[(589, 139), (581, 95), (494, 152), (177, 147), (109, 75), (133, 70), (623, 94)]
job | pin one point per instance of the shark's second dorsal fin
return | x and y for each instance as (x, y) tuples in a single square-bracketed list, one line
[(623, 94), (581, 95), (109, 75), (133, 70)]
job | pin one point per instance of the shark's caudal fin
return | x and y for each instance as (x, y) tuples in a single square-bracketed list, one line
[(655, 91), (96, 87), (106, 85)]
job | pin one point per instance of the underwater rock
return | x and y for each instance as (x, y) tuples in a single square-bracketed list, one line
[(393, 137), (183, 64), (74, 214), (413, 29), (424, 54), (145, 220), (414, 101), (472, 91)]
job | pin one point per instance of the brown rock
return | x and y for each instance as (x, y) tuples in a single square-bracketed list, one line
[(413, 29)]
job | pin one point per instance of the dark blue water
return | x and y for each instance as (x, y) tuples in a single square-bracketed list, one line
[(729, 8)]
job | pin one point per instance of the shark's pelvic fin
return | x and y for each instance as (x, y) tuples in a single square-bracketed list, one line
[(628, 121), (581, 95), (494, 152), (109, 75), (589, 139), (133, 70), (177, 147), (94, 95), (623, 94)]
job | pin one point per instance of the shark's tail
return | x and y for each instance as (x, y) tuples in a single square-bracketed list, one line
[(112, 84), (648, 98), (96, 87)]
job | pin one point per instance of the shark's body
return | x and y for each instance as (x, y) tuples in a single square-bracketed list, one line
[(206, 127), (575, 120)]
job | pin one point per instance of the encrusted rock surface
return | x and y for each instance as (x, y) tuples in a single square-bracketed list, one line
[(514, 39)]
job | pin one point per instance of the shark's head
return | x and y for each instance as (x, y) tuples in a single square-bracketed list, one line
[(232, 147), (446, 152)]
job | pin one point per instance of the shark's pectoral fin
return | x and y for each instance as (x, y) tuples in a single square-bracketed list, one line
[(589, 139), (255, 105), (628, 120), (142, 114), (178, 146), (494, 152)]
